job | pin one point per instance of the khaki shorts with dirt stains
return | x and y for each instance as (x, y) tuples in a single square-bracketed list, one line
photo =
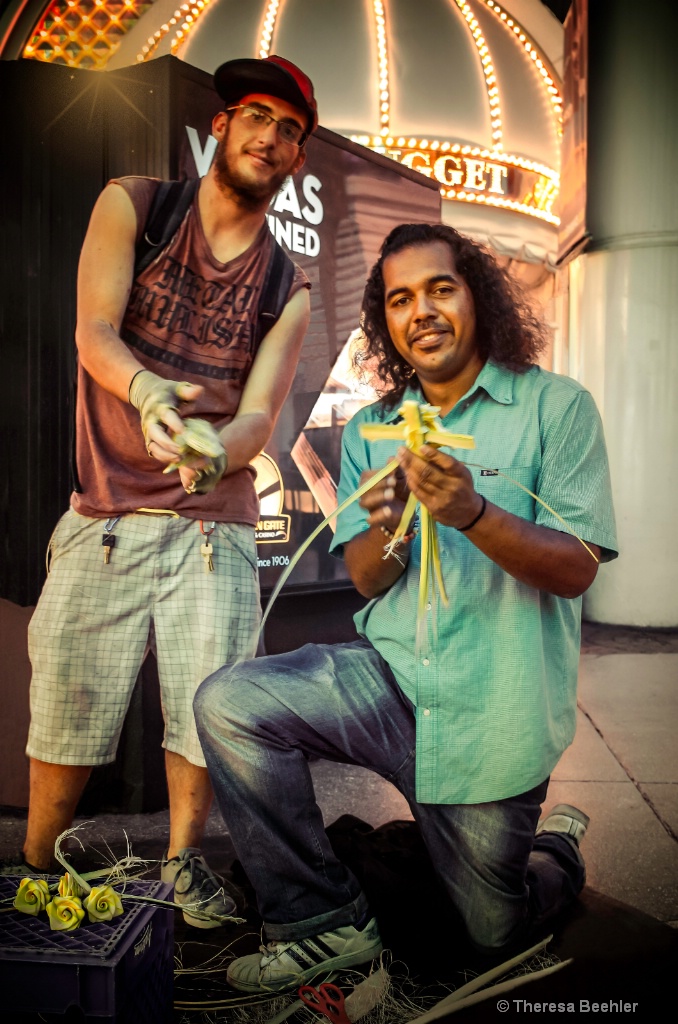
[(95, 622)]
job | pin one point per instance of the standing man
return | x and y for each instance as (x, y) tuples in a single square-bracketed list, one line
[(469, 719), (146, 557)]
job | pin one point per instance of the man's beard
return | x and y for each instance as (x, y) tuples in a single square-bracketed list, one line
[(247, 194)]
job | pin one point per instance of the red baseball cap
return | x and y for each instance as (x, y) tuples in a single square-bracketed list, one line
[(274, 76)]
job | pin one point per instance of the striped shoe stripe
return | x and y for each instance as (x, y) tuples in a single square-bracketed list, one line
[(310, 952), (321, 946), (302, 957)]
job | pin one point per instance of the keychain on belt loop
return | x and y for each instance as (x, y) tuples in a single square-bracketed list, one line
[(108, 539), (206, 549)]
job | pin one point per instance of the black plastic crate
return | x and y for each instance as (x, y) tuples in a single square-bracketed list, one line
[(119, 971)]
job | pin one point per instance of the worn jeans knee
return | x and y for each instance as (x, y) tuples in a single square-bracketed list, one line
[(216, 700), (504, 882)]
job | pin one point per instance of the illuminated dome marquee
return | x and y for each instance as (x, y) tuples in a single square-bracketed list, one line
[(465, 91)]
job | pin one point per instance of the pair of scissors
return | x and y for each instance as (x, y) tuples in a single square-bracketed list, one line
[(327, 999)]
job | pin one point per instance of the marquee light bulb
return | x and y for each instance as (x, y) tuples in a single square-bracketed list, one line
[(268, 27), (382, 60), (486, 64)]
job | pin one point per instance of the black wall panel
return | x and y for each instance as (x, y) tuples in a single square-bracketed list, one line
[(51, 163)]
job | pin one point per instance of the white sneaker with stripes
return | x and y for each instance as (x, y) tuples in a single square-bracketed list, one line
[(280, 966)]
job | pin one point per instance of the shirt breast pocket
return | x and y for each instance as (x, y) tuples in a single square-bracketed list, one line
[(508, 487)]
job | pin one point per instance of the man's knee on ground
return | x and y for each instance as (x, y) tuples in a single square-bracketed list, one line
[(492, 934), (222, 694)]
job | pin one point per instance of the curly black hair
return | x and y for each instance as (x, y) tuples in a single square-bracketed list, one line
[(507, 330)]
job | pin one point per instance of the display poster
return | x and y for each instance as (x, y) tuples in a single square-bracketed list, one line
[(331, 218), (572, 199)]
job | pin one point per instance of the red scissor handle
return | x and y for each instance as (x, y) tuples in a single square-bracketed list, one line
[(327, 999)]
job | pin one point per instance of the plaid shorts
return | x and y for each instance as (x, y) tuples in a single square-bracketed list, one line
[(94, 623)]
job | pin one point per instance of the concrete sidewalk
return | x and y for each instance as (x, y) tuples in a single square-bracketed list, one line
[(622, 769)]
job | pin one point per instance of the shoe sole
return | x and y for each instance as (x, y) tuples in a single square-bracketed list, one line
[(289, 984), (202, 922)]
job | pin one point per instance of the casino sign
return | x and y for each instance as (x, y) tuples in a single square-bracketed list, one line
[(464, 91), (471, 174)]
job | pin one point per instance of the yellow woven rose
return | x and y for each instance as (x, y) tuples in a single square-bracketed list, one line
[(103, 904), (65, 913), (68, 886), (32, 896)]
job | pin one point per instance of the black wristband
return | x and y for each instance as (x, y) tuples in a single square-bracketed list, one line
[(463, 529)]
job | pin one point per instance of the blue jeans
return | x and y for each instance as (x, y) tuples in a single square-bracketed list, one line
[(258, 723)]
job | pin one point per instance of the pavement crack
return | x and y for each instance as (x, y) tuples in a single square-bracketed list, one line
[(638, 786)]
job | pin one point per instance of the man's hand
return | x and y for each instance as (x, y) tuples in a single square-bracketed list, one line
[(202, 457), (386, 500), (536, 555), (369, 570), (157, 400), (197, 452), (199, 474), (202, 476), (441, 483)]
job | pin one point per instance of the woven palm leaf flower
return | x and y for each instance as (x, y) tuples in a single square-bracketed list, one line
[(32, 896), (65, 913), (69, 887), (420, 425), (197, 438), (103, 903)]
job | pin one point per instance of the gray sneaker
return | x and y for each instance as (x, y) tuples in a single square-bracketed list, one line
[(283, 966), (207, 899), (567, 820)]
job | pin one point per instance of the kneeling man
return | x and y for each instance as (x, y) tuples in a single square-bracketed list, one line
[(468, 718)]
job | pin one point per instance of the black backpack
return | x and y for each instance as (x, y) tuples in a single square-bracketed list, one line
[(168, 209)]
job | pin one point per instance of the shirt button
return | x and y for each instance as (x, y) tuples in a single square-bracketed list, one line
[(426, 662), (428, 607), (427, 711)]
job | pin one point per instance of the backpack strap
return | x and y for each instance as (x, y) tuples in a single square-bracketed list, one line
[(276, 288), (72, 457), (170, 204)]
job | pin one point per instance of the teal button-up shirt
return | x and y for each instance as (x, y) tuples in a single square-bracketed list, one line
[(494, 676)]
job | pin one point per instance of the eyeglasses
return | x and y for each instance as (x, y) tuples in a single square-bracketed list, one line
[(257, 118)]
